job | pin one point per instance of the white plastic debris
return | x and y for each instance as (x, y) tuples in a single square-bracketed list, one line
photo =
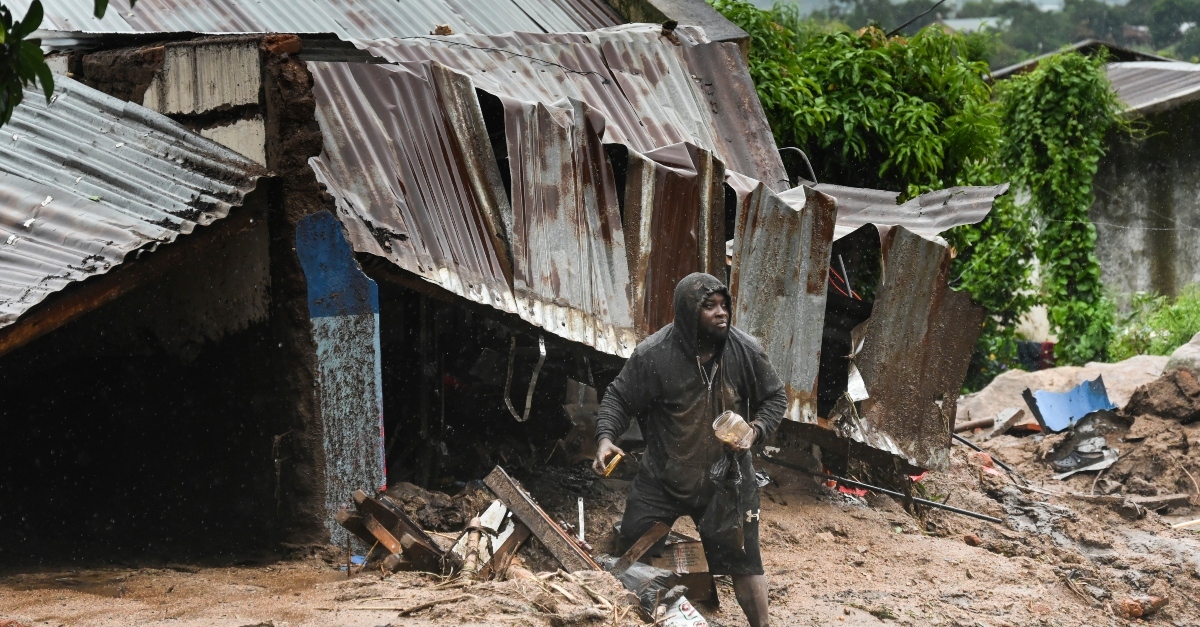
[(682, 614), (856, 388)]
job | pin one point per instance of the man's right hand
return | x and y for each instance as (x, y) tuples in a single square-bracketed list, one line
[(604, 451)]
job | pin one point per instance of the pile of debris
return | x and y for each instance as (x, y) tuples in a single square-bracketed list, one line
[(1134, 454), (486, 550)]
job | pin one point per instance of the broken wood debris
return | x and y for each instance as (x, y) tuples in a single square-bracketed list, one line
[(562, 546), (379, 522)]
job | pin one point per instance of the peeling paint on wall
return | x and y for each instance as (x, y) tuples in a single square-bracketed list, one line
[(343, 304)]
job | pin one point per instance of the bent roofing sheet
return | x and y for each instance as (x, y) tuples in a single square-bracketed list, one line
[(926, 215), (914, 357), (346, 18), (651, 92), (408, 158), (406, 184), (780, 270), (88, 178), (1152, 86)]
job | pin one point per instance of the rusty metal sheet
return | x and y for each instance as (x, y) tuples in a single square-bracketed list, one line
[(738, 123), (926, 215), (410, 183), (570, 270), (545, 72), (674, 225), (88, 179), (913, 357), (651, 92), (345, 18), (780, 271)]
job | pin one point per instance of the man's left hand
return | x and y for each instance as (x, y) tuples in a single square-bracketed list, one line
[(742, 449)]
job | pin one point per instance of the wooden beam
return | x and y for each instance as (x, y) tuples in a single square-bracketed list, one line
[(639, 548), (562, 546), (424, 552), (85, 296), (384, 536)]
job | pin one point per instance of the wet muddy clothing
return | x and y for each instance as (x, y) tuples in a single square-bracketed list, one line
[(675, 400)]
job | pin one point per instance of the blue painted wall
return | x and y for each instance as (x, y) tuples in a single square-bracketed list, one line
[(343, 305)]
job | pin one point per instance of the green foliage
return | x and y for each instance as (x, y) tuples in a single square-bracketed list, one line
[(907, 115), (1055, 121), (1156, 325), (21, 61)]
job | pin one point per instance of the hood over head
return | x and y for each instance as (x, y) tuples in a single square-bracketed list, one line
[(690, 292)]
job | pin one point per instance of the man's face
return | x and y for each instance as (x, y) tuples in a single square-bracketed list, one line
[(714, 316)]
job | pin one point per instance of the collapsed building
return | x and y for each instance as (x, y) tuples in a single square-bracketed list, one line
[(418, 257)]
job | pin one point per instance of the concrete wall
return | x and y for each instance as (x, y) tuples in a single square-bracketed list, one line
[(1147, 209)]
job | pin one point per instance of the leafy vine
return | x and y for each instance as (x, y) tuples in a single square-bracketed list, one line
[(1055, 121)]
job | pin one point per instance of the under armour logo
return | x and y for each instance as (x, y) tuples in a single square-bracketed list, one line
[(752, 516)]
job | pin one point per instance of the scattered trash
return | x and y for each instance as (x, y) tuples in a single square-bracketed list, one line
[(1058, 411), (1076, 459), (681, 614)]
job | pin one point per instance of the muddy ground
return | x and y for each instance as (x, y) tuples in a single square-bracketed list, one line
[(830, 558)]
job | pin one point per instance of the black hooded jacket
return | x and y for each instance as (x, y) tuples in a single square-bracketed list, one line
[(663, 387)]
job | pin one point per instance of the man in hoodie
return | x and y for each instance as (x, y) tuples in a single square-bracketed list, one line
[(675, 384)]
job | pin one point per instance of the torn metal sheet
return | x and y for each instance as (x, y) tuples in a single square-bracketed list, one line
[(914, 357), (412, 184), (927, 215), (650, 92), (570, 268), (1057, 411), (88, 179), (778, 284)]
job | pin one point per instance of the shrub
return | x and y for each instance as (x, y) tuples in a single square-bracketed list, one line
[(1156, 325)]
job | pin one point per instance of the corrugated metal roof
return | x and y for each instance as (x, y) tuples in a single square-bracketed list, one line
[(926, 215), (347, 18), (914, 357), (1152, 86), (780, 272), (651, 92), (88, 179), (409, 160), (408, 184)]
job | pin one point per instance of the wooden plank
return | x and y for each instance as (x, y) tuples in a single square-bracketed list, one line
[(384, 537), (504, 553), (639, 548), (424, 553), (562, 546), (354, 524)]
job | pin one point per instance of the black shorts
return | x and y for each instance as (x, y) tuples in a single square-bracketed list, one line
[(648, 503)]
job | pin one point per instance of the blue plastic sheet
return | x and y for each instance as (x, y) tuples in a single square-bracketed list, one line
[(1057, 411)]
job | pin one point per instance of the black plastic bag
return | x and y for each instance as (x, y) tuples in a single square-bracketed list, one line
[(722, 519)]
